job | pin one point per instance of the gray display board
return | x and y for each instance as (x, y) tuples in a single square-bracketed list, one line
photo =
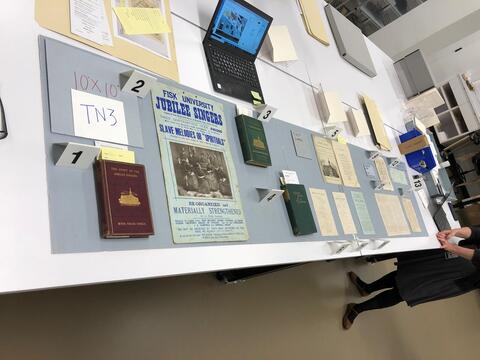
[(74, 224), (350, 41), (72, 70)]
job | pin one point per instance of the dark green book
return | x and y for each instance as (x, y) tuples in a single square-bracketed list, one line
[(298, 208), (253, 141)]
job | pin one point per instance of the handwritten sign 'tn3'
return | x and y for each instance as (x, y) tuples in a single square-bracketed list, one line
[(97, 117)]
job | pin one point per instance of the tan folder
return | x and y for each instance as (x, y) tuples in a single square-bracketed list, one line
[(313, 20), (55, 15), (379, 135)]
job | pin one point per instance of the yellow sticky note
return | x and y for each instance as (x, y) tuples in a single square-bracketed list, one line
[(140, 21), (256, 102), (115, 154), (256, 95), (341, 139)]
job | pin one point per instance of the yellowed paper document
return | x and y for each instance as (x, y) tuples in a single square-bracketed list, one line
[(344, 213), (411, 215), (345, 164), (392, 214), (383, 173), (88, 19), (326, 160), (282, 45), (323, 212), (378, 126), (313, 20), (141, 21)]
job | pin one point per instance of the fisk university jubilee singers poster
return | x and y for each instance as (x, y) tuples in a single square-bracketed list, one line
[(200, 179)]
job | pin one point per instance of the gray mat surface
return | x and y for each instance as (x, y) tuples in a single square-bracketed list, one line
[(74, 222)]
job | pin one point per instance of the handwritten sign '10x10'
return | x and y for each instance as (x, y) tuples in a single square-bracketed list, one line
[(100, 118)]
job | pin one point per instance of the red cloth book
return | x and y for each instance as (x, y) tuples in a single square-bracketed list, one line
[(122, 192)]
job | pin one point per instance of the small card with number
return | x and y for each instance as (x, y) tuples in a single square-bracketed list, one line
[(138, 83), (394, 162), (333, 132), (266, 112), (373, 155), (378, 185), (268, 195), (417, 183), (339, 246), (76, 155)]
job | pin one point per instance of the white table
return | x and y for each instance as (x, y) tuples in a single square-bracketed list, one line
[(26, 261)]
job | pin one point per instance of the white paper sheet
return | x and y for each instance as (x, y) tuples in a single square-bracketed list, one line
[(344, 213), (88, 19), (383, 174), (392, 215), (323, 212), (99, 118), (290, 177)]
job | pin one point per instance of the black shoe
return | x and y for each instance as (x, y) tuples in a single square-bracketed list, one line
[(349, 316), (358, 284)]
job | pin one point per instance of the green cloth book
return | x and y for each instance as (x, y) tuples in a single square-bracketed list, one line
[(298, 208), (253, 141)]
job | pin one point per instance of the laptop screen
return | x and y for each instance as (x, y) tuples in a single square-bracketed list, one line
[(239, 26)]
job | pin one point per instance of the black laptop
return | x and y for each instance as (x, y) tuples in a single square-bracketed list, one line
[(232, 42)]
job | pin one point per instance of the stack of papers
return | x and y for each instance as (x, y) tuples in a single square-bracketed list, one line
[(313, 20), (379, 135)]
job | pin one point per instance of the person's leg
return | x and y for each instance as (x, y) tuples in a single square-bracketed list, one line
[(383, 300), (386, 282)]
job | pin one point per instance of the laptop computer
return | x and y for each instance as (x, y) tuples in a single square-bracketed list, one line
[(232, 42)]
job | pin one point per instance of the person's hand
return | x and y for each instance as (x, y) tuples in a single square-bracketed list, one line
[(446, 234), (447, 245)]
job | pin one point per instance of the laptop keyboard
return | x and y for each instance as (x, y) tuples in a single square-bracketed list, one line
[(235, 67)]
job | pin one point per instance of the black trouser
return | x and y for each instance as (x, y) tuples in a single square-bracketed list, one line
[(386, 298)]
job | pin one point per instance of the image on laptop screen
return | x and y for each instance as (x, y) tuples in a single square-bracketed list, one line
[(238, 26)]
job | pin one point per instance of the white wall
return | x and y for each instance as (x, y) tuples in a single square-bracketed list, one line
[(446, 63), (404, 35)]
